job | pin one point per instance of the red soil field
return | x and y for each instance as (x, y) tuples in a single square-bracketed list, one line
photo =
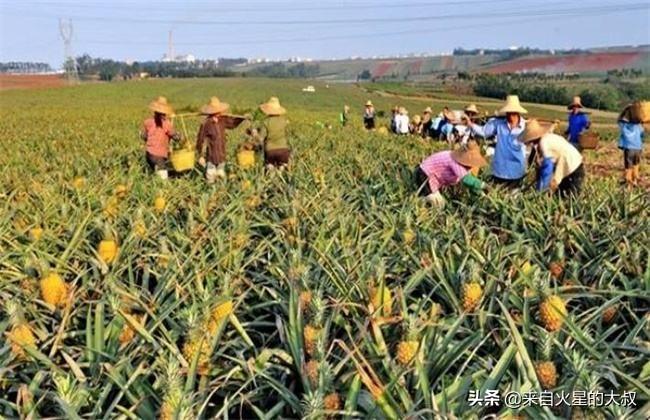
[(30, 81), (382, 68), (416, 66), (570, 64)]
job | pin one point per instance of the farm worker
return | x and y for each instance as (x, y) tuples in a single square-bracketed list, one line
[(157, 131), (212, 133), (274, 134), (471, 111), (559, 163), (369, 116), (509, 161), (402, 121), (631, 142), (344, 116), (449, 168), (393, 119), (449, 121), (427, 122), (578, 121), (415, 127)]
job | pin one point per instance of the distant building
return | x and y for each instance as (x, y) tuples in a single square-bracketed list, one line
[(186, 58)]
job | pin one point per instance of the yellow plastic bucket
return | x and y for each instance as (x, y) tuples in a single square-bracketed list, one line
[(246, 158), (183, 159)]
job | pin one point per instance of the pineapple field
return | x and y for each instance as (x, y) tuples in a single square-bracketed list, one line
[(326, 291)]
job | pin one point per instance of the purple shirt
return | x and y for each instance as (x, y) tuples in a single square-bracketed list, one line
[(442, 170)]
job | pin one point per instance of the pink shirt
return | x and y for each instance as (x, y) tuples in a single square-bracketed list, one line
[(442, 170), (158, 137)]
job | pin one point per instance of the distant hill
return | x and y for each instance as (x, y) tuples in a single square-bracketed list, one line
[(598, 60)]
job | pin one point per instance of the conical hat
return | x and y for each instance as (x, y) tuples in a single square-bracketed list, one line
[(469, 155), (403, 111), (369, 103), (512, 106), (215, 106), (576, 102), (417, 119), (471, 108), (428, 110), (273, 107), (161, 106), (534, 130)]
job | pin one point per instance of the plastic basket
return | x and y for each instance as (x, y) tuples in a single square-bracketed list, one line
[(183, 159)]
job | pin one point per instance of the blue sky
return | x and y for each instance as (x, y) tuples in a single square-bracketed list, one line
[(138, 30)]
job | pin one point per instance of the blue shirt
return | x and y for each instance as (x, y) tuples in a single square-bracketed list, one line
[(509, 161), (577, 124), (631, 136)]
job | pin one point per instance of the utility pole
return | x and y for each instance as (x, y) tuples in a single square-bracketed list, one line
[(69, 63)]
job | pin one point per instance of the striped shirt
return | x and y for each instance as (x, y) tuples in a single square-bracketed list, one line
[(442, 170)]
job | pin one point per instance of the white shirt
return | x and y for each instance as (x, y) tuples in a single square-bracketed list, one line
[(402, 124), (563, 154)]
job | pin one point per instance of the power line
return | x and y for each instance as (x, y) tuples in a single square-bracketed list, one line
[(501, 13), (362, 35)]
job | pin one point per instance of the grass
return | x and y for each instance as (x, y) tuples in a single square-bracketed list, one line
[(141, 337)]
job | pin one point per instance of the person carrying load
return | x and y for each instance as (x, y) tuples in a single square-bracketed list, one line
[(578, 122), (631, 142), (509, 161), (559, 163), (447, 168), (274, 134), (212, 134), (157, 131)]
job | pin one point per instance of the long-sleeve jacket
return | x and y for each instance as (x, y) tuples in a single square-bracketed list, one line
[(631, 135), (509, 161), (558, 159), (577, 124), (274, 133), (213, 134)]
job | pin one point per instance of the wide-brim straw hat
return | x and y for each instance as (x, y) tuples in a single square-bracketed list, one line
[(417, 119), (369, 103), (471, 108), (161, 106), (534, 130), (575, 103), (428, 110), (273, 107), (403, 110), (469, 155), (512, 106), (215, 106)]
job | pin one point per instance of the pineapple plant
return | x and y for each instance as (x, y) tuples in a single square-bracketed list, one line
[(36, 233), (311, 335), (472, 293), (556, 266), (545, 368), (107, 250), (332, 402), (159, 204), (20, 335), (381, 300)]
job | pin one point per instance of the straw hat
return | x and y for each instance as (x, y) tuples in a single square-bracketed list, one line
[(428, 110), (215, 106), (534, 131), (471, 108), (469, 155), (417, 119), (369, 103), (161, 106), (403, 111), (512, 106), (575, 103), (273, 107)]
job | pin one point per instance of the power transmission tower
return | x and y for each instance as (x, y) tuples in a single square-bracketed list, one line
[(70, 63), (170, 48)]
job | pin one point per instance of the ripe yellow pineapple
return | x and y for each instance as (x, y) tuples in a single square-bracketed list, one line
[(159, 204), (53, 289), (311, 369), (332, 402), (610, 313), (547, 374), (409, 236), (107, 250), (311, 335), (406, 352), (472, 293), (253, 202), (35, 233), (200, 346), (121, 191), (382, 300), (79, 182), (305, 299), (552, 312), (140, 229), (21, 335), (222, 310), (246, 185), (166, 412)]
